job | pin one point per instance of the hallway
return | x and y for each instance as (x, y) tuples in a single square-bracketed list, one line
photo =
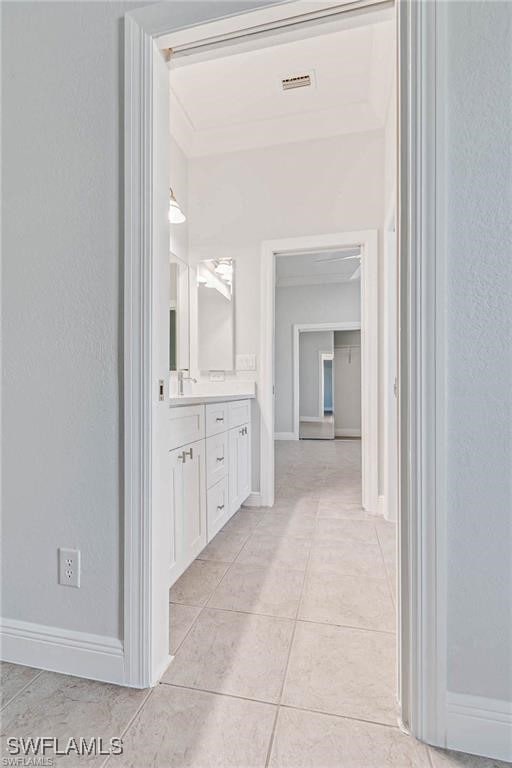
[(284, 639)]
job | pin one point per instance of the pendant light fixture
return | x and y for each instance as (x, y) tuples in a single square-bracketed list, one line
[(176, 215)]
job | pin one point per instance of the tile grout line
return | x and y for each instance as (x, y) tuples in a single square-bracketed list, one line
[(206, 603), (23, 688), (293, 707), (131, 721), (286, 618), (292, 639)]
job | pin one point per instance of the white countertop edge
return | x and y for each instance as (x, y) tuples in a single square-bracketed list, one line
[(176, 402)]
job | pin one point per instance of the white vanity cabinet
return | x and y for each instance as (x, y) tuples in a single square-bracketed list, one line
[(210, 466)]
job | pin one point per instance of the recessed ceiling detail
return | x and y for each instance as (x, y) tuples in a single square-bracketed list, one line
[(310, 88)]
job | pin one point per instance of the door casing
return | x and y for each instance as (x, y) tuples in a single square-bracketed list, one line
[(422, 551)]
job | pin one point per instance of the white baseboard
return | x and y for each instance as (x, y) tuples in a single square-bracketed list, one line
[(82, 654), (253, 500), (347, 432), (284, 436), (479, 725), (311, 418), (381, 506)]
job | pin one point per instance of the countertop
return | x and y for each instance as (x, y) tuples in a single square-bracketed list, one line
[(203, 399)]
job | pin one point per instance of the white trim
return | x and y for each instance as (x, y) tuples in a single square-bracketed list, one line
[(253, 500), (479, 725), (390, 367), (285, 436), (347, 432), (381, 505), (422, 512), (82, 654)]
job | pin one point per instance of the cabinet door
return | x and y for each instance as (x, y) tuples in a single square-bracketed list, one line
[(239, 466), (176, 515), (187, 506), (194, 500), (235, 437)]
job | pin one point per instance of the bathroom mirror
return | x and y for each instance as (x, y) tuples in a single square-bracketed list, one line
[(179, 324), (215, 314)]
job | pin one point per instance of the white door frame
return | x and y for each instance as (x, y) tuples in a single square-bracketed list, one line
[(422, 580), (368, 240), (390, 367)]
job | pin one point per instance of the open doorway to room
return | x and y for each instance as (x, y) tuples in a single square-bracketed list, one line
[(277, 154)]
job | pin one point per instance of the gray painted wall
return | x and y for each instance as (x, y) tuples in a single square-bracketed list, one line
[(479, 346), (62, 184)]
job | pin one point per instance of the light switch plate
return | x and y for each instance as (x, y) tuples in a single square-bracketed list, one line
[(246, 362)]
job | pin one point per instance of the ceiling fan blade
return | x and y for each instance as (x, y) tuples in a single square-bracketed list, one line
[(337, 258)]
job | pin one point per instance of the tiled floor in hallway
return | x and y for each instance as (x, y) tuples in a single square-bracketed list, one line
[(283, 632)]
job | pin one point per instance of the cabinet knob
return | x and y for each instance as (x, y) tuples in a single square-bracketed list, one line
[(220, 506), (219, 418), (220, 458)]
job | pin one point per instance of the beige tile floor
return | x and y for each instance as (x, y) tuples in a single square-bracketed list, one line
[(283, 632)]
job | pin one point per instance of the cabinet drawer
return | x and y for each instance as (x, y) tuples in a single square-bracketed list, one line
[(186, 425), (239, 412), (216, 418), (216, 458), (217, 506)]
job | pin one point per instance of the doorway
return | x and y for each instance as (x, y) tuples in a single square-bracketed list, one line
[(418, 599)]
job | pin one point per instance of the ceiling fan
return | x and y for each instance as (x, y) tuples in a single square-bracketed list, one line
[(339, 257)]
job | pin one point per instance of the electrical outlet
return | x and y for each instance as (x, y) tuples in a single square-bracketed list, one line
[(69, 567)]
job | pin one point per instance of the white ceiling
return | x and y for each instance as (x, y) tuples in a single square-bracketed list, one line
[(235, 102), (316, 268)]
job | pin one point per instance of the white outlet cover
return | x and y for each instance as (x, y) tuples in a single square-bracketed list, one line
[(69, 567)]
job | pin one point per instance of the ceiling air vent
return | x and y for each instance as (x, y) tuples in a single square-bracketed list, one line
[(297, 81)]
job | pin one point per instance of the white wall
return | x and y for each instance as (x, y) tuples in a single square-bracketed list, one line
[(311, 344), (178, 181), (334, 303), (240, 199), (478, 172), (347, 383)]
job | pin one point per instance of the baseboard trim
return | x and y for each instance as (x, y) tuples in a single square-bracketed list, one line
[(82, 654), (347, 432), (479, 725), (381, 506), (284, 436), (253, 500), (311, 418)]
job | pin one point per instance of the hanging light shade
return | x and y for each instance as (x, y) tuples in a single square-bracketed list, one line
[(176, 215)]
